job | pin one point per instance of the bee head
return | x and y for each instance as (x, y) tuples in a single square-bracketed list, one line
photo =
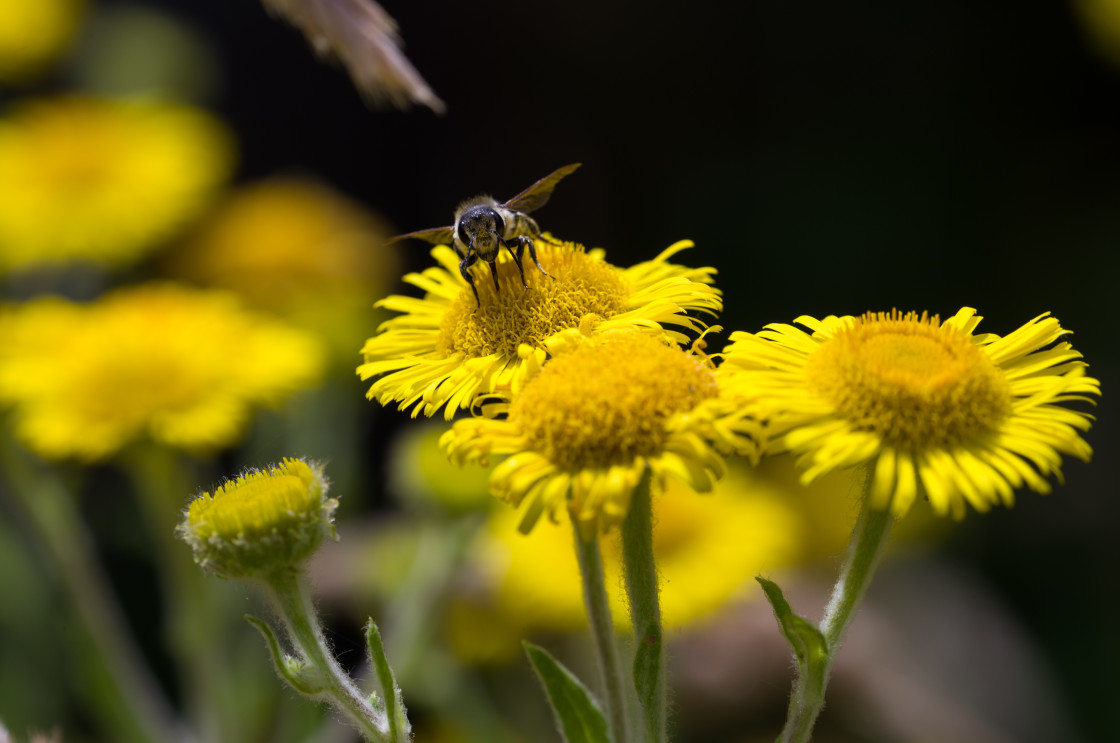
[(480, 224)]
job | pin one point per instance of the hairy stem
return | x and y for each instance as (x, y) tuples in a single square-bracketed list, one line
[(292, 597), (645, 611), (868, 539), (602, 631)]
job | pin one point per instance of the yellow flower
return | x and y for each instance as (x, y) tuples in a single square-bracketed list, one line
[(281, 240), (1101, 22), (33, 33), (583, 432), (297, 248), (447, 350), (262, 522), (420, 475), (934, 409), (103, 181), (182, 367)]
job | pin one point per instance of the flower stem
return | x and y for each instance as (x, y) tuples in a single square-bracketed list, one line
[(122, 692), (868, 539), (645, 610), (196, 623), (291, 595), (602, 631)]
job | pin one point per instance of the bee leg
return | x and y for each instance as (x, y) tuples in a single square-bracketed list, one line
[(494, 275), (516, 254), (464, 268), (524, 242)]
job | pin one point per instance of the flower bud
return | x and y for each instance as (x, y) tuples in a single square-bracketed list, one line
[(264, 522)]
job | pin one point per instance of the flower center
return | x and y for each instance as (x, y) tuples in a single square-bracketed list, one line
[(910, 380), (258, 503), (74, 146), (608, 402), (581, 284)]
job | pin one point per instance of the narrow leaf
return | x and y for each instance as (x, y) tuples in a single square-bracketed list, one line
[(808, 643), (399, 728), (290, 669), (578, 716)]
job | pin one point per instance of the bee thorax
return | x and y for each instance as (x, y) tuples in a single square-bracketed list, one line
[(519, 224)]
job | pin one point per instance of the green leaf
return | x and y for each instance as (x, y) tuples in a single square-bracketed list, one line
[(399, 728), (292, 670), (808, 643), (578, 716)]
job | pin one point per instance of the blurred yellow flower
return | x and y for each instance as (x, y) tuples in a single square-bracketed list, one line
[(180, 366), (447, 349), (582, 433), (934, 409), (103, 181), (708, 551), (1101, 19), (420, 473), (298, 248), (33, 33)]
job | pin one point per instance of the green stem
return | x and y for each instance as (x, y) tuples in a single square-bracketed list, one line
[(602, 631), (645, 610), (196, 627), (868, 539), (291, 595), (123, 693)]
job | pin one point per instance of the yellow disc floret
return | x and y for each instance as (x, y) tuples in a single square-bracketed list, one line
[(508, 318), (910, 380), (446, 350), (588, 427), (930, 407), (589, 409), (262, 522)]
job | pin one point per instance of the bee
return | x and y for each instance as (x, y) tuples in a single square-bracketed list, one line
[(483, 226)]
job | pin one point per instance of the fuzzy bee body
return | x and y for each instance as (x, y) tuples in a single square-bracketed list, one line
[(483, 226)]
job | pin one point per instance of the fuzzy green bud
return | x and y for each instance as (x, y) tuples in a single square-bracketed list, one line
[(263, 522)]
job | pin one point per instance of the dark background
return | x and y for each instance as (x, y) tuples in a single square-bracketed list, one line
[(828, 158)]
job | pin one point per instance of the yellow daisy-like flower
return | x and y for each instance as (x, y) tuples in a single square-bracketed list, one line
[(264, 521), (103, 181), (297, 248), (33, 33), (182, 367), (284, 241), (583, 432), (931, 407), (446, 350)]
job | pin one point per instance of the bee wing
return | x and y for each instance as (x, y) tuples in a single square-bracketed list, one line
[(436, 236), (536, 195)]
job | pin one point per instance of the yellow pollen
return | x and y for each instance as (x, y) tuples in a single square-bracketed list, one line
[(516, 315), (910, 380), (608, 402)]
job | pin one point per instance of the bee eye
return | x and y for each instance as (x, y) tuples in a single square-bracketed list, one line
[(499, 223), (461, 228)]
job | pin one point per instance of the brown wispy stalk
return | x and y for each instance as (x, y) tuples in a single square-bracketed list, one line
[(361, 35)]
